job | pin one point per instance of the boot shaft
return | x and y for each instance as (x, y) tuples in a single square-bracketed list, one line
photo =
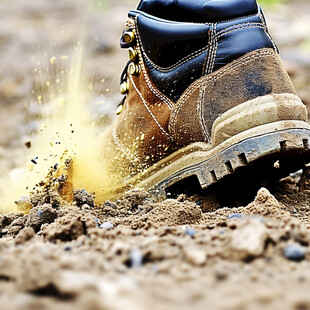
[(204, 38)]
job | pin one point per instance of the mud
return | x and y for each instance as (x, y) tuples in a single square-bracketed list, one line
[(137, 252)]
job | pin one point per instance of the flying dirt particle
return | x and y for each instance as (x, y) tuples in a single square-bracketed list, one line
[(294, 252), (34, 160), (40, 98), (28, 144), (277, 164), (53, 60), (23, 204)]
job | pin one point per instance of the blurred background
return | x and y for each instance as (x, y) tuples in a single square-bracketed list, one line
[(37, 39)]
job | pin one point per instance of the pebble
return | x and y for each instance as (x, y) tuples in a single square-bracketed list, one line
[(97, 221), (40, 213), (195, 256), (136, 259), (235, 215), (294, 252), (249, 239), (190, 231), (106, 225)]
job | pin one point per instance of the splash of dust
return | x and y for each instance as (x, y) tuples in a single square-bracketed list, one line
[(68, 135)]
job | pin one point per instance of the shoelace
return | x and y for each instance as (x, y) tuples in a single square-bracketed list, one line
[(123, 79), (127, 41), (124, 74)]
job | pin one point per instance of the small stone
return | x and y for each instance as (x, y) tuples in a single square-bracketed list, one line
[(106, 225), (248, 240), (195, 256), (294, 252), (190, 231), (235, 215), (136, 259), (40, 213)]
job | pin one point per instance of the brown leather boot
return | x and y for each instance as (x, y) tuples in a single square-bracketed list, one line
[(205, 96)]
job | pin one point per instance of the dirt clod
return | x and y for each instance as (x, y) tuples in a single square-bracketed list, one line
[(266, 204), (41, 215), (25, 235), (50, 197), (68, 227), (82, 197)]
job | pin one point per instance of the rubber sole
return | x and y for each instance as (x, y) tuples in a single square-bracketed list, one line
[(269, 151), (276, 154)]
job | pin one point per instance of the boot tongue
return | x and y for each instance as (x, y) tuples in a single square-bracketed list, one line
[(199, 11)]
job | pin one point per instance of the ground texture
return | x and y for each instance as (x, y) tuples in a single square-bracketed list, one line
[(136, 252)]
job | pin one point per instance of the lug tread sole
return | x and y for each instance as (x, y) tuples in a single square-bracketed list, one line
[(291, 147)]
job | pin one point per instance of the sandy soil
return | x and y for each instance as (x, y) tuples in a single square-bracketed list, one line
[(136, 252)]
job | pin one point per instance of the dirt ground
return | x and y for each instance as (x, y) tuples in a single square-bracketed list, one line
[(136, 252)]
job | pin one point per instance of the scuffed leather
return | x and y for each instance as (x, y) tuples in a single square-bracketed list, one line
[(199, 11), (255, 74)]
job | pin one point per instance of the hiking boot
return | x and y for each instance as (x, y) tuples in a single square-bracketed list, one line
[(205, 96)]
